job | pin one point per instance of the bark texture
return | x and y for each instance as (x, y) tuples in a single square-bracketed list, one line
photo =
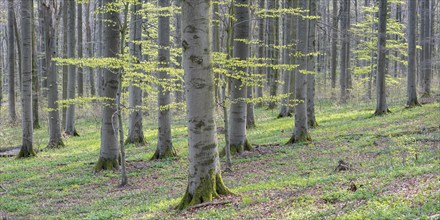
[(311, 48), (204, 178), (79, 32)]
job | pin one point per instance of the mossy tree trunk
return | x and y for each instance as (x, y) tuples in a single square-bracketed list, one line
[(55, 140), (109, 153), (165, 147), (135, 128), (301, 132), (204, 178), (27, 149), (238, 113)]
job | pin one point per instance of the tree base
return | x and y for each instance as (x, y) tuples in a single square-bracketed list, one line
[(313, 124), (413, 104), (239, 149), (107, 164), (302, 138), (138, 141), (25, 153), (426, 95), (379, 112), (169, 153), (55, 144), (74, 133), (210, 187)]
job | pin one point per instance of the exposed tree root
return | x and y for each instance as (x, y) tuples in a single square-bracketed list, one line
[(107, 164), (169, 153)]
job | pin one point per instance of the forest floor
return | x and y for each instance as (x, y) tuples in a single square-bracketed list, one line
[(394, 171)]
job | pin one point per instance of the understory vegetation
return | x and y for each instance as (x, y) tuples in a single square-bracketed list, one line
[(356, 167)]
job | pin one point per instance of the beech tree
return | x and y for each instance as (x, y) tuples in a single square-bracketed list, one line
[(301, 132), (237, 127), (11, 62), (109, 153), (135, 129), (411, 77), (71, 75), (381, 103), (204, 178), (164, 144), (52, 78), (26, 149)]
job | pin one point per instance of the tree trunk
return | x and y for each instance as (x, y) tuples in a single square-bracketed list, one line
[(89, 50), (178, 41), (237, 120), (35, 80), (293, 37), (109, 154), (426, 62), (287, 26), (411, 84), (71, 76), (345, 16), (165, 147), (27, 149), (311, 42), (381, 104), (55, 140), (42, 47), (250, 117), (259, 89), (65, 67), (273, 42), (80, 49), (11, 62), (204, 180), (301, 132), (135, 129)]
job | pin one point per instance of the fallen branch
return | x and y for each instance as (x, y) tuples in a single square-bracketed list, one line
[(4, 190)]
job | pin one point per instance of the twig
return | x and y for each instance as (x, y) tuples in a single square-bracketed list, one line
[(4, 190)]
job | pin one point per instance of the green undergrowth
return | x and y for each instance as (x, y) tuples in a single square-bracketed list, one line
[(394, 165)]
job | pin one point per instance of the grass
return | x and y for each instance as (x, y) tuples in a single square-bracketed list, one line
[(395, 161)]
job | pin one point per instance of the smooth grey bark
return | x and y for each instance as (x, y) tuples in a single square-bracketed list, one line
[(79, 33), (11, 63), (55, 140), (238, 112), (42, 68), (426, 62), (65, 67), (99, 47), (204, 179), (259, 89), (109, 153), (250, 117), (411, 77), (135, 129), (273, 35), (345, 16), (89, 49), (334, 52), (301, 132), (287, 74), (35, 78), (381, 103), (178, 41), (293, 40), (311, 44), (71, 75), (26, 149), (164, 144)]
